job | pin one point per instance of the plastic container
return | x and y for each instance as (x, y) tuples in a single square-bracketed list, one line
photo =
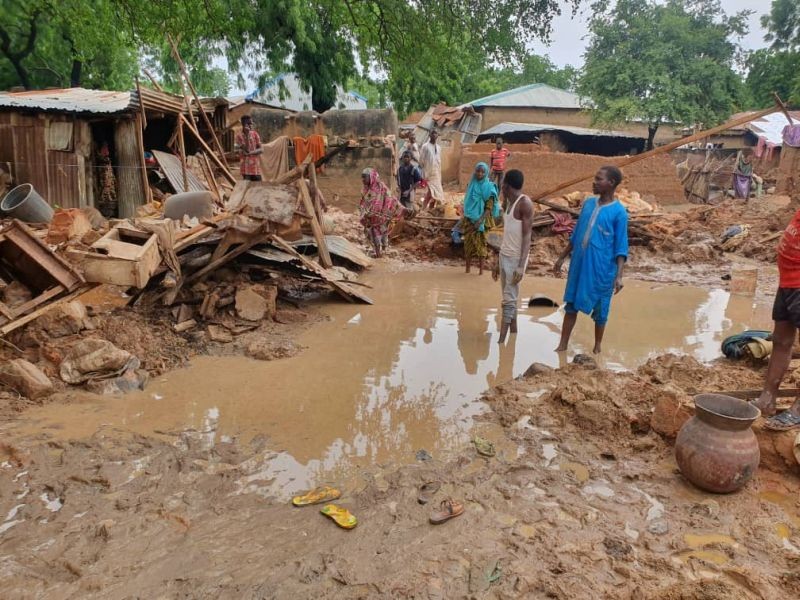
[(25, 204)]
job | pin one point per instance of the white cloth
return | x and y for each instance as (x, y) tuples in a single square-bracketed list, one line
[(511, 245), (430, 160)]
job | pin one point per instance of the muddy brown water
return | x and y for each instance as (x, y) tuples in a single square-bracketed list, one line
[(378, 383)]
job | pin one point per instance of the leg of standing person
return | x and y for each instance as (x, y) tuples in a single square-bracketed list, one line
[(510, 295), (570, 318), (785, 313), (600, 317)]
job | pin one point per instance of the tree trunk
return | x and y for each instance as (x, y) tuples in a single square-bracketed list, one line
[(651, 136), (22, 72), (75, 74)]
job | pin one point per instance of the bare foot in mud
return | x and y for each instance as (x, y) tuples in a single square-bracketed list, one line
[(766, 404), (597, 350)]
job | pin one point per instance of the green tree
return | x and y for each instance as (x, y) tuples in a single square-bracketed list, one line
[(427, 49), (783, 24), (47, 43), (664, 63), (777, 68), (770, 71)]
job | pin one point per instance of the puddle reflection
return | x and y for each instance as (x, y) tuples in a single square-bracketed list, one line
[(378, 383)]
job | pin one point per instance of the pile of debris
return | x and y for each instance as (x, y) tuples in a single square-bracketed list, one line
[(215, 272)]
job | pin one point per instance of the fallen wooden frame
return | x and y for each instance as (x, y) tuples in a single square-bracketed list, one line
[(22, 253), (340, 287)]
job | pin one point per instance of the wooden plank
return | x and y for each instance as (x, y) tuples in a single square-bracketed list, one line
[(45, 296), (295, 173), (316, 228), (140, 144), (345, 291), (6, 311), (131, 190), (660, 150), (182, 150), (59, 269), (225, 172), (9, 327), (236, 201), (210, 179)]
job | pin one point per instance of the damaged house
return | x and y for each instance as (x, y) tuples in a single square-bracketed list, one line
[(80, 147)]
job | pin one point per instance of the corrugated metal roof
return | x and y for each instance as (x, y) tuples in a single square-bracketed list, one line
[(80, 100), (771, 126), (74, 100), (504, 128), (535, 95), (339, 246)]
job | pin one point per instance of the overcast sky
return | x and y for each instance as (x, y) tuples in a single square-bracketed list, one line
[(568, 40), (569, 43)]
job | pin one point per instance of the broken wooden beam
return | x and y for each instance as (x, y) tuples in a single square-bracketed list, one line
[(316, 227)]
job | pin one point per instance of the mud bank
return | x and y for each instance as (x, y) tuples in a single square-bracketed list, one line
[(583, 500), (181, 491)]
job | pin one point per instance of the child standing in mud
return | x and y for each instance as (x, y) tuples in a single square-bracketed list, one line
[(598, 248)]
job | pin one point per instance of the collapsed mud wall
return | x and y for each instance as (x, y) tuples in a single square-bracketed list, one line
[(789, 172), (340, 181), (543, 170)]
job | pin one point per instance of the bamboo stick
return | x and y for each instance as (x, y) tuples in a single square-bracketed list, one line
[(182, 149), (203, 114)]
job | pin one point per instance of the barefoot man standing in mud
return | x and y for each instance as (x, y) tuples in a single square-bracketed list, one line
[(786, 314), (514, 250), (599, 249)]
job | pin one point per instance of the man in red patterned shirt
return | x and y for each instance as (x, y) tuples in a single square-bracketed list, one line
[(248, 143), (497, 161)]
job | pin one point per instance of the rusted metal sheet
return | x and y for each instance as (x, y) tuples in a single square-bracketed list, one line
[(74, 100), (30, 157), (338, 246), (80, 100), (64, 187), (171, 165)]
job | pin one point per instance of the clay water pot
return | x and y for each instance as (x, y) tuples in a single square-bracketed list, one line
[(716, 449)]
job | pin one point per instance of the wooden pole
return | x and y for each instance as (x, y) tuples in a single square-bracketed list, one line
[(203, 114), (140, 143), (225, 172), (152, 80), (316, 228), (141, 104), (660, 150), (784, 110), (212, 182), (182, 149)]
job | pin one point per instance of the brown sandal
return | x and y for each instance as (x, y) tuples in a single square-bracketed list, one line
[(449, 509)]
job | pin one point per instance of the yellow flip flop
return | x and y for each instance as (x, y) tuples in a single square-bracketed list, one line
[(323, 493), (341, 516)]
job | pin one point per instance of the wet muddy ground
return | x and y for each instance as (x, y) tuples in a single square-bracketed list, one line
[(180, 491)]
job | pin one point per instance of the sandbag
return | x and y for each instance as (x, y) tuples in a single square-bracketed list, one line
[(94, 358)]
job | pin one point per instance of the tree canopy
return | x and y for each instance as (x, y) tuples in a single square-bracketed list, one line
[(428, 50), (670, 62), (777, 68)]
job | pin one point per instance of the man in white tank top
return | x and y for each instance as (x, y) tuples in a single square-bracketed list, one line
[(514, 250)]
